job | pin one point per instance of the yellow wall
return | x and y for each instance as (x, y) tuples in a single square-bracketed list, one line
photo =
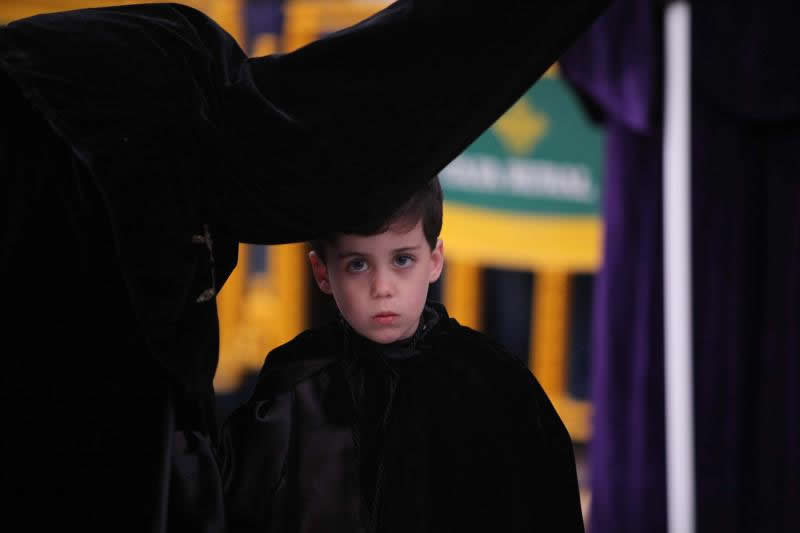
[(227, 13)]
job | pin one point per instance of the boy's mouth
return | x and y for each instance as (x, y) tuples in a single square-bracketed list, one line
[(385, 317)]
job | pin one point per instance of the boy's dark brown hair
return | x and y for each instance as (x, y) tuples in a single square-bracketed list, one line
[(425, 205)]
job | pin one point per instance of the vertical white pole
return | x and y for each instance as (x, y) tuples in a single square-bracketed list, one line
[(677, 272)]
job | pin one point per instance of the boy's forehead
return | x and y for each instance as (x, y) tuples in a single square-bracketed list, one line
[(397, 235)]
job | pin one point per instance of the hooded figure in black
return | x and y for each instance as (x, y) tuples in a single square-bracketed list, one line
[(138, 146)]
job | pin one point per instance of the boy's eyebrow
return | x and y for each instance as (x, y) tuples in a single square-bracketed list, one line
[(406, 248), (348, 253), (351, 253)]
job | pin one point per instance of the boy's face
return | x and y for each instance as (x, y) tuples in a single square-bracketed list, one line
[(380, 282)]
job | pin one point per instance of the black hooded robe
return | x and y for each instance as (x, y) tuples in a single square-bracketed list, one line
[(138, 145), (443, 432)]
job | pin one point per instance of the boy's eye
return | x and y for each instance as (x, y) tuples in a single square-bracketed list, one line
[(403, 260), (356, 265)]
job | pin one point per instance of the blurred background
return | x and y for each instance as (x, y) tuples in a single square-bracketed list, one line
[(552, 232)]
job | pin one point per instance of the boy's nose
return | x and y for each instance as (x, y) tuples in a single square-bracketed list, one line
[(382, 284)]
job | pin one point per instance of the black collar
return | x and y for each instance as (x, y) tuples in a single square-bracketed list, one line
[(356, 344)]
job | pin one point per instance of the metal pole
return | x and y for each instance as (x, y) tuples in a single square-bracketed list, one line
[(677, 272)]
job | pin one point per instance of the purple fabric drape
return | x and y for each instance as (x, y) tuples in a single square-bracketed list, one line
[(627, 384), (746, 271), (614, 64), (263, 16)]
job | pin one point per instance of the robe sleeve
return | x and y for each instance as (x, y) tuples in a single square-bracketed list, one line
[(551, 473), (544, 493), (357, 120)]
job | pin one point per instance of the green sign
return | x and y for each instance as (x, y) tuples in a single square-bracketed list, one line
[(543, 156)]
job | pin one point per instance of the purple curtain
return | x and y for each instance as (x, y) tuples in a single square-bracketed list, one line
[(746, 268)]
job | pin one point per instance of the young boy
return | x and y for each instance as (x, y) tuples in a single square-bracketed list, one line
[(396, 418)]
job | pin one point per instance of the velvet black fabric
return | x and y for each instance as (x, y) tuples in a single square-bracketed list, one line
[(457, 437), (138, 146)]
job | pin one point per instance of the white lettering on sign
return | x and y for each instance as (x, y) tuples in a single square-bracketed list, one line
[(520, 177)]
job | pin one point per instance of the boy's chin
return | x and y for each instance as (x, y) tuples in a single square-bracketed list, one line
[(384, 337)]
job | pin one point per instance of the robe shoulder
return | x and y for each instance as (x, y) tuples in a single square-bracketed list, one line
[(477, 366), (489, 423)]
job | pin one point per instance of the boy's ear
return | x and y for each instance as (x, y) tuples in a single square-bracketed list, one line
[(437, 261), (320, 272)]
